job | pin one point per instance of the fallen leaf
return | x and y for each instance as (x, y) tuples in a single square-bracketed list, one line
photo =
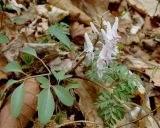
[(17, 7), (87, 94), (139, 23), (96, 8), (149, 7), (28, 110), (61, 65), (74, 11), (54, 14), (3, 62), (147, 23), (154, 76), (77, 32)]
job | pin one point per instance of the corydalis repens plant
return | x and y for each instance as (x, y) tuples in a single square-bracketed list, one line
[(109, 48)]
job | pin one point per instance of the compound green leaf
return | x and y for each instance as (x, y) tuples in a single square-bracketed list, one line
[(64, 95), (46, 106), (17, 100)]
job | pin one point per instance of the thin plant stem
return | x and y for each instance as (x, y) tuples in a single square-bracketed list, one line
[(44, 64), (24, 73), (78, 64), (46, 74), (73, 122), (94, 83)]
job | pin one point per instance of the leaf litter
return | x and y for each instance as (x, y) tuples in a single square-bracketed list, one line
[(26, 25)]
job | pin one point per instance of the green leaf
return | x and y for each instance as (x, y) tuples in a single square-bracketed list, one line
[(8, 84), (3, 39), (64, 95), (63, 27), (29, 51), (59, 75), (18, 20), (28, 59), (72, 86), (17, 100), (46, 106), (44, 81), (13, 67), (60, 35), (109, 109)]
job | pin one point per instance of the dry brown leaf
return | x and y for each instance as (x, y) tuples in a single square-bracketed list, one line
[(28, 110), (74, 11), (156, 54), (87, 94), (157, 102), (147, 23), (3, 62), (149, 7), (61, 65), (54, 14), (96, 8), (154, 76), (77, 32)]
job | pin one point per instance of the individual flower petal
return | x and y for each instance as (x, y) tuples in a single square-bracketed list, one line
[(115, 28), (101, 64), (88, 43), (94, 29), (89, 47)]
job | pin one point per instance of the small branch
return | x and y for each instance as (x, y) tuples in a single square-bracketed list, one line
[(139, 118), (78, 64), (32, 77), (89, 80), (44, 64), (72, 122)]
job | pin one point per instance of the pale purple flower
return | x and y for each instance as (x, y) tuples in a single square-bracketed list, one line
[(89, 47), (111, 38), (94, 29), (112, 30)]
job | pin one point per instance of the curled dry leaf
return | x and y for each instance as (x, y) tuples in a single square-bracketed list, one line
[(149, 7), (28, 110), (139, 23), (41, 48), (17, 7), (53, 13), (74, 11), (77, 32), (87, 94), (61, 65), (11, 51), (154, 76)]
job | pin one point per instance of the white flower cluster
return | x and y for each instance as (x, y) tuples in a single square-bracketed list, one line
[(109, 48)]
